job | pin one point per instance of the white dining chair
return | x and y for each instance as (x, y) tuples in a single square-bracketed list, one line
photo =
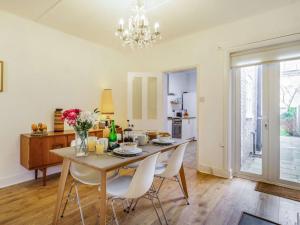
[(135, 187), (171, 169), (84, 175)]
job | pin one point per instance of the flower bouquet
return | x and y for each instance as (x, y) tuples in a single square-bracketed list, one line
[(81, 121)]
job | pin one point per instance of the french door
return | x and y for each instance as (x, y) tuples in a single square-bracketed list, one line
[(267, 122)]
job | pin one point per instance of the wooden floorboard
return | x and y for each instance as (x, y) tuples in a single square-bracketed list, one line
[(214, 201)]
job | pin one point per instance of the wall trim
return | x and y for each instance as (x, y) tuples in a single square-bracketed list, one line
[(215, 171), (24, 177)]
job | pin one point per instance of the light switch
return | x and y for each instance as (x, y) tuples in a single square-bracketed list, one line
[(202, 99)]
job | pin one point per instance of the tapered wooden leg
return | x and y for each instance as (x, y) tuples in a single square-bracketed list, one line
[(44, 176), (36, 173), (103, 199), (183, 181), (61, 188)]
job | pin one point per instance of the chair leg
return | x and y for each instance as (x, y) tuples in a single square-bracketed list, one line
[(114, 212), (160, 185), (127, 206), (69, 194), (79, 205), (186, 198), (162, 209), (130, 205), (155, 195), (151, 198), (135, 204)]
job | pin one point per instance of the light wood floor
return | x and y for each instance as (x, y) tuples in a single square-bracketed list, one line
[(190, 155), (214, 201)]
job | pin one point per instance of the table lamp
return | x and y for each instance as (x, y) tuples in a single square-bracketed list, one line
[(106, 104)]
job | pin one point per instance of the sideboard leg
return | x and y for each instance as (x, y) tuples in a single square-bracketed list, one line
[(44, 176), (36, 173)]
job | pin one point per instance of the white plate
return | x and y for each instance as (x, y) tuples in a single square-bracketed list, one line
[(133, 151), (168, 141)]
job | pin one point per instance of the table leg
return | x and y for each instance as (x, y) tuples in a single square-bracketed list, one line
[(61, 188), (183, 181), (103, 199), (44, 176), (36, 173)]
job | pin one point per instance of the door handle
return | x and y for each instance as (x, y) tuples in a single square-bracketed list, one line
[(266, 124)]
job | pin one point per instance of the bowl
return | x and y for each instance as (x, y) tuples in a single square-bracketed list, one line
[(126, 146), (164, 136)]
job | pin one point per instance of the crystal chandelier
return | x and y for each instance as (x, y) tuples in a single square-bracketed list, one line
[(139, 33)]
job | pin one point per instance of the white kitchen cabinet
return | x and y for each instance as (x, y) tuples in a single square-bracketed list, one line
[(189, 127)]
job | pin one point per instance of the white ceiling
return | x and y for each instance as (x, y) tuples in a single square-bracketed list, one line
[(96, 20)]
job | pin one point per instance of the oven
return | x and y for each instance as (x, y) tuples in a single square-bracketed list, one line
[(176, 127)]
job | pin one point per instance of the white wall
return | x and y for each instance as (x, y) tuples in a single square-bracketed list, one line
[(182, 81), (45, 69), (206, 50)]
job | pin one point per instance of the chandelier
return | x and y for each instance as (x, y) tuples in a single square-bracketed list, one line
[(139, 33)]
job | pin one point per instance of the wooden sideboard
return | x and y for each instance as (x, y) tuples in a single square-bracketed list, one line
[(35, 150)]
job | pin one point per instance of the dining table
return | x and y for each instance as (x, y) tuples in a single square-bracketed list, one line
[(106, 163)]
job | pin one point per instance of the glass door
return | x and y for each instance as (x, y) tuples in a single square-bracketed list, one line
[(267, 99), (289, 113), (251, 127)]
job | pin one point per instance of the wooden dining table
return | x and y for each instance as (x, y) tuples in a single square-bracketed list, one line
[(105, 163)]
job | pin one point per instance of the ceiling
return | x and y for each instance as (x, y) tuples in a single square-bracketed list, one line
[(96, 20)]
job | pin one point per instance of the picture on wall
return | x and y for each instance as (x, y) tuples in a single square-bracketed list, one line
[(1, 76)]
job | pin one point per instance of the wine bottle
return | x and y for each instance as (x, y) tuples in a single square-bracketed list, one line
[(112, 138)]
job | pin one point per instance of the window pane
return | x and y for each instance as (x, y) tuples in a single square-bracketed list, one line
[(290, 120), (137, 98), (152, 98), (251, 119)]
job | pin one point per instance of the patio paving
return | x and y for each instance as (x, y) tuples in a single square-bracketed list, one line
[(289, 160)]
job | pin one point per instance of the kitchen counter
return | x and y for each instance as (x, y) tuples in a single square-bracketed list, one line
[(184, 118)]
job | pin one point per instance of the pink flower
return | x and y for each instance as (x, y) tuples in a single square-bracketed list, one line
[(71, 116)]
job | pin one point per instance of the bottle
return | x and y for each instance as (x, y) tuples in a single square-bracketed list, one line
[(112, 138)]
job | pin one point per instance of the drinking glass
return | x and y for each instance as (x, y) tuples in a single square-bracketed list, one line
[(99, 147), (92, 144)]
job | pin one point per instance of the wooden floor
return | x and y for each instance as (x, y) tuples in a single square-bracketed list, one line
[(190, 155), (214, 201)]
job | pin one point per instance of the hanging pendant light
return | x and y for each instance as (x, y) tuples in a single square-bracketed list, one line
[(138, 33)]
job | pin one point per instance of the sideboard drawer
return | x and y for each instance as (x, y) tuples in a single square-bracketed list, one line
[(55, 143)]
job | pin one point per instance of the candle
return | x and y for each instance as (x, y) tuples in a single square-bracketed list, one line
[(156, 27), (121, 24)]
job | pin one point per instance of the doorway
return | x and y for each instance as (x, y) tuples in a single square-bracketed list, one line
[(267, 122), (181, 111)]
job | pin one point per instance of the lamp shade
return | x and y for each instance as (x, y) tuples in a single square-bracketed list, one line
[(106, 104)]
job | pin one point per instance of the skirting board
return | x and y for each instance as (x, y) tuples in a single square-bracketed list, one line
[(23, 177), (215, 171)]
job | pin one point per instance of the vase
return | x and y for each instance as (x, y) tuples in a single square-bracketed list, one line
[(81, 142), (58, 121)]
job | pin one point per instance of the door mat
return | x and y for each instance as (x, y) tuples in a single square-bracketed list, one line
[(278, 191), (249, 219)]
